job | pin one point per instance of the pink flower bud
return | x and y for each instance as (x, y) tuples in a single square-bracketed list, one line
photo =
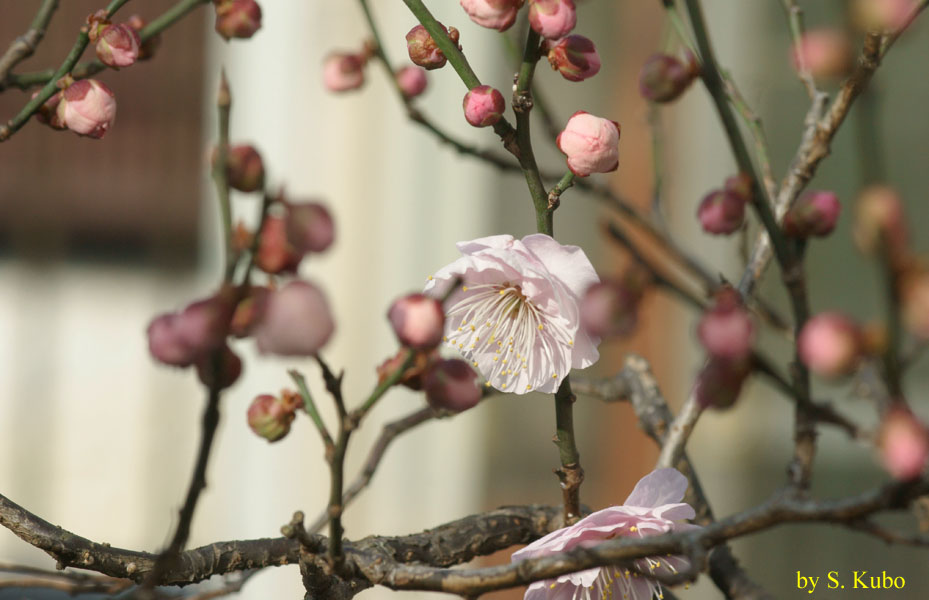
[(575, 57), (904, 444), (309, 227), (451, 385), (88, 108), (149, 46), (483, 106), (880, 222), (590, 143), (552, 19), (721, 212), (270, 417), (165, 343), (881, 15), (343, 71), (423, 50), (814, 214), (237, 18), (228, 368), (418, 321), (493, 14), (726, 330), (413, 376), (275, 252), (203, 325), (827, 53), (829, 344), (610, 308), (244, 169), (295, 322), (412, 81), (118, 46), (720, 383), (664, 78), (248, 311), (915, 303)]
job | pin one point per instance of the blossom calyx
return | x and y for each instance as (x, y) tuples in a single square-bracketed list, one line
[(295, 321), (343, 71), (814, 214), (270, 417), (118, 45), (87, 107), (451, 385), (412, 377), (575, 57), (664, 78), (590, 143), (552, 19), (423, 49), (237, 18), (493, 14), (483, 106)]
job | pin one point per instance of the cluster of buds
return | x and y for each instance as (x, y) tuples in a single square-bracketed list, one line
[(722, 211), (814, 214), (116, 45), (237, 18), (424, 51), (419, 322), (610, 307), (664, 78), (270, 416), (295, 230), (590, 143), (483, 106), (493, 14), (726, 332), (574, 57)]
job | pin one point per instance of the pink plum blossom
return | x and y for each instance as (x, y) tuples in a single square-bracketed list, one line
[(343, 71), (904, 444), (590, 143), (575, 57), (295, 322), (515, 316), (654, 507), (412, 81), (417, 320), (451, 385), (552, 19), (830, 344), (87, 107), (493, 14), (118, 46), (483, 106)]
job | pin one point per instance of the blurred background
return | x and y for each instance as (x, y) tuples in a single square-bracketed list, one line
[(96, 237)]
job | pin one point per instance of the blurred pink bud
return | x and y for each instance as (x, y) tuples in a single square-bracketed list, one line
[(904, 444), (237, 18), (275, 252), (244, 169), (664, 78), (590, 143), (423, 49), (149, 46), (880, 222), (740, 185), (309, 227), (827, 53), (452, 385), (493, 14), (726, 330), (720, 383), (610, 308), (203, 325), (228, 367), (88, 108), (412, 81), (248, 311), (915, 303), (881, 15), (118, 46), (814, 214), (483, 106), (295, 322), (830, 344), (270, 417), (575, 57), (343, 71), (418, 321), (552, 19), (165, 343), (721, 212)]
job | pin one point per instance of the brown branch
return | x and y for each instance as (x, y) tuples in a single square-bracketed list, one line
[(25, 45)]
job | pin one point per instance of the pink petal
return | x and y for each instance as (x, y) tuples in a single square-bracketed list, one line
[(662, 486)]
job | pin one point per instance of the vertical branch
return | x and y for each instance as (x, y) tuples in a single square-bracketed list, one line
[(223, 104)]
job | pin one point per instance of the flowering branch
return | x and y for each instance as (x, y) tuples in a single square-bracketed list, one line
[(23, 46)]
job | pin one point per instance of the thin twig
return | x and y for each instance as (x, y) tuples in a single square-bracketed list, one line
[(25, 45)]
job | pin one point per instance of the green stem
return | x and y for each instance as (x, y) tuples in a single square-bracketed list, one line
[(310, 407), (223, 104)]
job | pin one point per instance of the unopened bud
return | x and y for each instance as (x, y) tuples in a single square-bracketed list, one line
[(827, 53), (904, 444), (275, 252), (451, 385), (814, 214), (664, 78), (552, 19), (244, 169), (237, 18), (248, 311), (881, 15), (610, 307), (295, 322), (881, 223), (575, 57), (223, 366), (118, 46), (309, 227), (483, 106), (493, 14), (343, 71), (423, 49), (726, 330), (721, 212), (720, 382), (87, 107), (590, 143), (48, 112), (270, 417), (412, 81), (418, 321), (830, 344)]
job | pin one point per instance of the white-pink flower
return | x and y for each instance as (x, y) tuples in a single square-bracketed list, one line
[(654, 507), (515, 315)]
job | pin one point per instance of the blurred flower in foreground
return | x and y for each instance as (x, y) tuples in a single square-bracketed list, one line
[(343, 71), (827, 53), (654, 507), (237, 18), (451, 384), (904, 444), (412, 80), (516, 315), (295, 322), (664, 78), (830, 344)]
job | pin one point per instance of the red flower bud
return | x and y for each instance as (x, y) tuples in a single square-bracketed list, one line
[(483, 106), (664, 78), (418, 321), (413, 376), (830, 344), (575, 57), (244, 169), (275, 252), (423, 49), (881, 223), (726, 330), (451, 385), (309, 227), (412, 81), (237, 18), (270, 417), (248, 311), (610, 308), (721, 212), (814, 214)]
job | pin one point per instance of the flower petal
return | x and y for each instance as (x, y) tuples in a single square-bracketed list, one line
[(662, 486)]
